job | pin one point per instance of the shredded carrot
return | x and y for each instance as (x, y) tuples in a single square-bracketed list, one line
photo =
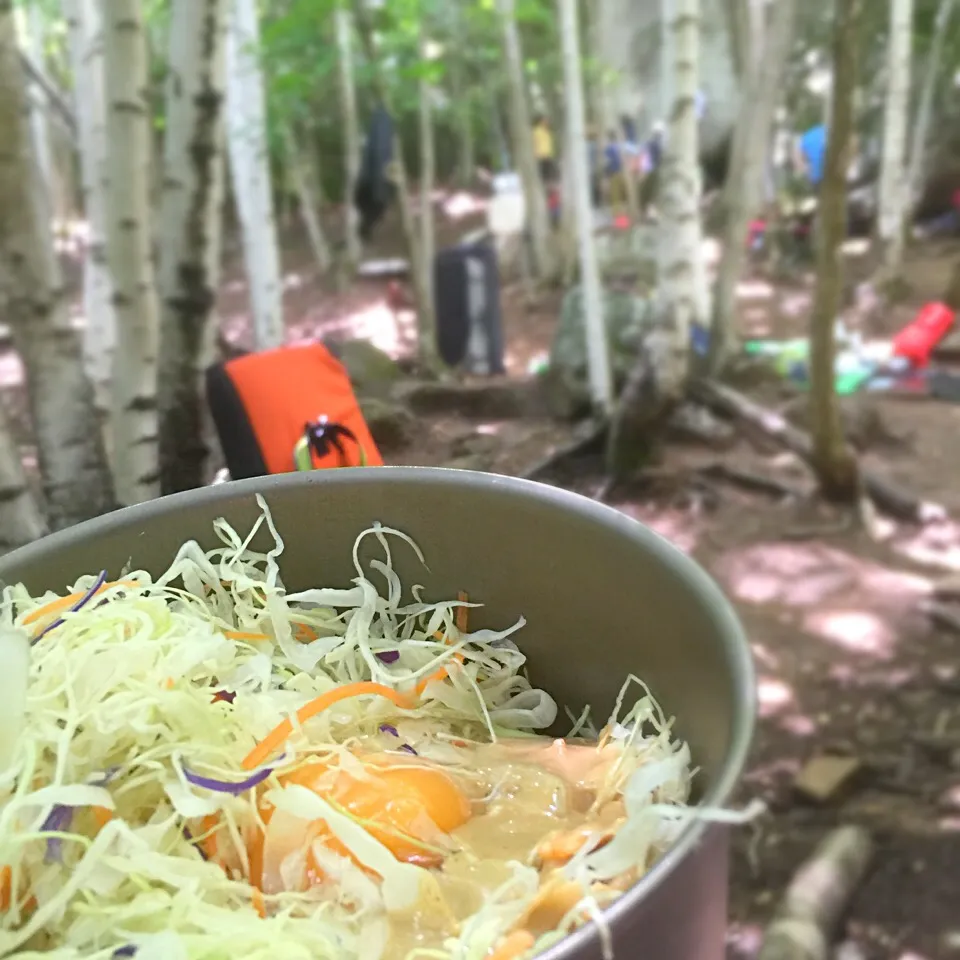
[(243, 635), (460, 617), (6, 887), (259, 905), (65, 603), (208, 844), (303, 633), (168, 683), (101, 817), (554, 900), (275, 738), (512, 945), (439, 674)]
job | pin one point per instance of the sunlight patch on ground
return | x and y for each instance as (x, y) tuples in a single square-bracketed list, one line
[(456, 206), (391, 332), (795, 304), (744, 939), (754, 290), (799, 725), (858, 631), (11, 370), (674, 525), (773, 695), (293, 281), (801, 575), (936, 544)]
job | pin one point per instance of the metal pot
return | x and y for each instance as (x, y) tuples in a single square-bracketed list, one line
[(603, 597)]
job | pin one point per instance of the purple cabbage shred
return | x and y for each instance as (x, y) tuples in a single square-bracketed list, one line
[(227, 786), (86, 598)]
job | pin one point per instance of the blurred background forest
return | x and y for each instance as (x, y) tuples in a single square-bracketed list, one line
[(720, 248)]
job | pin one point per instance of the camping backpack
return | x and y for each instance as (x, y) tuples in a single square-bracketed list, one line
[(288, 409)]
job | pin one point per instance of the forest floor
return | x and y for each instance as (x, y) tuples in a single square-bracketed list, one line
[(848, 662)]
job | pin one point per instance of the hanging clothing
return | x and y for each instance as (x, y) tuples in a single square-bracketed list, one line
[(375, 189)]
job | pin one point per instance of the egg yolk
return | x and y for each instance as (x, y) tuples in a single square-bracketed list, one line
[(404, 807)]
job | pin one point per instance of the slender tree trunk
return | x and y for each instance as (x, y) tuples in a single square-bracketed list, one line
[(351, 129), (32, 29), (428, 173), (833, 462), (250, 166), (130, 234), (921, 126), (461, 90), (76, 479), (21, 520), (598, 352), (746, 172), (86, 57), (306, 202), (538, 218), (190, 231), (658, 379), (422, 292), (893, 173), (682, 284)]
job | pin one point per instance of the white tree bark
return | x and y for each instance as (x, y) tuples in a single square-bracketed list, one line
[(190, 231), (135, 450), (85, 36), (893, 198), (598, 352), (428, 162), (250, 166), (21, 520), (538, 219), (351, 128), (747, 169), (32, 32), (921, 125), (306, 202), (76, 480), (683, 298)]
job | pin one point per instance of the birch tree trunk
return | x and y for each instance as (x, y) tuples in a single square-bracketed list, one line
[(190, 226), (833, 462), (250, 167), (32, 28), (598, 351), (659, 376), (538, 218), (73, 464), (745, 175), (351, 129), (135, 425), (428, 162), (422, 292), (85, 35), (921, 125), (21, 520), (683, 298), (893, 197), (306, 202)]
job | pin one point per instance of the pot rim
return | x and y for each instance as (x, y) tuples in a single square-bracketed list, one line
[(737, 649)]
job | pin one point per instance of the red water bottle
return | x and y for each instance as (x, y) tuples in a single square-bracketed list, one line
[(917, 340)]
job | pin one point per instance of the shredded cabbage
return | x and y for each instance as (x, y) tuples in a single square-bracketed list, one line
[(113, 715)]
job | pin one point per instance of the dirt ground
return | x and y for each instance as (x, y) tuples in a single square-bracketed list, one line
[(847, 661)]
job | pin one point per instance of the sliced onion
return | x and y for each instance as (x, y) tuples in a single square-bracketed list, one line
[(389, 728), (388, 656), (227, 786), (86, 598)]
